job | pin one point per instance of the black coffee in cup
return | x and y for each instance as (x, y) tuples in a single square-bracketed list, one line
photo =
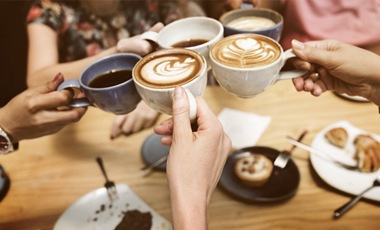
[(189, 43), (111, 78)]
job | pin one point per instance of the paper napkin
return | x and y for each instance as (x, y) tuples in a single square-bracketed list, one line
[(243, 128)]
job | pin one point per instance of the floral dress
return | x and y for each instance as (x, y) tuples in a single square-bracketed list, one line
[(82, 33)]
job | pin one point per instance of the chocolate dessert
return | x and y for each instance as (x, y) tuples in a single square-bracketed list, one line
[(135, 220)]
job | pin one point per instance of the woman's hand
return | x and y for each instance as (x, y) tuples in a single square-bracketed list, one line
[(138, 45), (195, 161), (34, 113), (333, 65), (141, 118)]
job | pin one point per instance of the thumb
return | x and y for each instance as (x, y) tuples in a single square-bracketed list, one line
[(311, 52), (52, 85), (181, 118)]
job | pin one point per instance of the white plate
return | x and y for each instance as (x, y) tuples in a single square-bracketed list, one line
[(352, 182), (353, 98), (95, 211)]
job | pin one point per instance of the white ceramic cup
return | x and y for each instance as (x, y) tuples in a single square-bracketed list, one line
[(248, 64), (164, 69), (186, 29)]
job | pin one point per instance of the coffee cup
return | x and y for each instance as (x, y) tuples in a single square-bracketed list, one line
[(107, 84), (262, 21), (194, 33), (247, 64), (157, 74)]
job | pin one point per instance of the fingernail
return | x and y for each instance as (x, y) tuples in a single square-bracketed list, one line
[(297, 44), (58, 76), (178, 92)]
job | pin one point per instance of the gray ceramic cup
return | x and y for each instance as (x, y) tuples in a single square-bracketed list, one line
[(273, 32), (118, 99)]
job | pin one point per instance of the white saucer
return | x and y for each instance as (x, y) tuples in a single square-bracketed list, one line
[(352, 182), (353, 98), (95, 211)]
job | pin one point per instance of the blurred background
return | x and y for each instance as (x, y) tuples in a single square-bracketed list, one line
[(13, 48)]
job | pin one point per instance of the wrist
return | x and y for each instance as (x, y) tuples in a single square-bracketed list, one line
[(189, 211), (7, 144)]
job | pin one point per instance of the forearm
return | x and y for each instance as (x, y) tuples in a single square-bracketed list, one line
[(70, 70), (188, 212), (271, 4)]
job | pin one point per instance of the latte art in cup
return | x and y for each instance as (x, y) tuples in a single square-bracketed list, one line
[(251, 23), (246, 51), (169, 68)]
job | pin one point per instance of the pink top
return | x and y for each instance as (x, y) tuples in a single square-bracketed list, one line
[(351, 21)]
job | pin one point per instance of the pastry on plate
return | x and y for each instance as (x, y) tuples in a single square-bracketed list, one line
[(253, 170), (337, 136), (367, 153)]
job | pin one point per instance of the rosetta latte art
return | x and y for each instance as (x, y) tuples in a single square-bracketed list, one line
[(246, 52), (170, 70)]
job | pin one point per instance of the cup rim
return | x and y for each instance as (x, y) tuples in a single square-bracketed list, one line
[(185, 50), (221, 18), (249, 68), (216, 37), (111, 56)]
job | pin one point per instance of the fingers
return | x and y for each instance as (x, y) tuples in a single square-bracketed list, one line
[(165, 128), (116, 126), (157, 27)]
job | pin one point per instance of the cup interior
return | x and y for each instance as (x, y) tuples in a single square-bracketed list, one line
[(190, 28), (167, 52), (258, 12), (123, 61), (241, 53)]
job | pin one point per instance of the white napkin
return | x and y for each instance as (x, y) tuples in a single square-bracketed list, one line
[(244, 129)]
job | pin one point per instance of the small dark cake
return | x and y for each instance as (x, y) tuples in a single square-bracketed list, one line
[(135, 220)]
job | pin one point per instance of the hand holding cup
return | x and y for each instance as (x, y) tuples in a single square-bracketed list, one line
[(247, 64)]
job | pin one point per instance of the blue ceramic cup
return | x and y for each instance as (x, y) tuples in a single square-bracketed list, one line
[(120, 98), (273, 31)]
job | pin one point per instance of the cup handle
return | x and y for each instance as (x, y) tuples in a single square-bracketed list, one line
[(192, 106), (75, 102), (291, 73), (150, 36)]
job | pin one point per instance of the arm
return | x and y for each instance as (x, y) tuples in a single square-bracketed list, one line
[(43, 54), (337, 66), (33, 113), (195, 162)]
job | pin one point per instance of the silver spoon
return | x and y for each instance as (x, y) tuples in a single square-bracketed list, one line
[(340, 211)]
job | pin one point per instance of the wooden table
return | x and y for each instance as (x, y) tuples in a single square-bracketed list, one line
[(50, 173)]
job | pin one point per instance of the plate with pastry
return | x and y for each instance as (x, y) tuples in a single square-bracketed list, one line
[(249, 176), (344, 141), (95, 210)]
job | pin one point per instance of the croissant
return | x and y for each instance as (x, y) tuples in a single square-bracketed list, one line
[(337, 136), (367, 153)]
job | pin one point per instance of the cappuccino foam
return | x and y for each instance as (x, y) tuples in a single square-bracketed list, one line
[(251, 23), (168, 69), (246, 51)]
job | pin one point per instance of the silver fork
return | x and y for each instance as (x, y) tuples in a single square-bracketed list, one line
[(284, 156), (148, 169), (343, 209), (110, 185)]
